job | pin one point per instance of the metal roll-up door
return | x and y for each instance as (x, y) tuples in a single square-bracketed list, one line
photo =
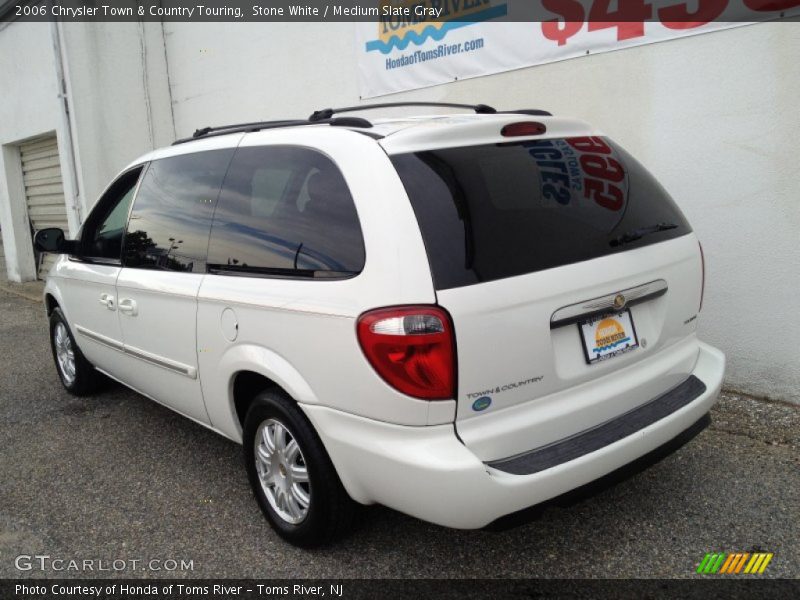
[(44, 191)]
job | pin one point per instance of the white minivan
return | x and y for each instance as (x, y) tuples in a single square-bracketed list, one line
[(457, 316)]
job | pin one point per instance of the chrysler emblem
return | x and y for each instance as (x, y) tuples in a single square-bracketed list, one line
[(619, 301)]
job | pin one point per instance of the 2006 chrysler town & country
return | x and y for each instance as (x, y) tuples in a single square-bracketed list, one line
[(455, 316)]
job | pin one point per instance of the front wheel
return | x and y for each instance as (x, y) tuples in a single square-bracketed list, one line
[(291, 474), (76, 373)]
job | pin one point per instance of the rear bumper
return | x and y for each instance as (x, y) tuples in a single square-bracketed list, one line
[(428, 473)]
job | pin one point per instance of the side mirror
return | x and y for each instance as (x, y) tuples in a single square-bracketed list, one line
[(52, 240)]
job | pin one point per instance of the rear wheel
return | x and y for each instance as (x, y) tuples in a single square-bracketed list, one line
[(76, 373), (291, 474)]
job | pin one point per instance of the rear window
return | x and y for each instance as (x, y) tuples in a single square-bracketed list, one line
[(502, 210)]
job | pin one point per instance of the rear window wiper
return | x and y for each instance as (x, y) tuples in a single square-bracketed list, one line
[(636, 234)]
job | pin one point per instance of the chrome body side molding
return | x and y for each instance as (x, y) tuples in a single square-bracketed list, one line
[(100, 339), (188, 371)]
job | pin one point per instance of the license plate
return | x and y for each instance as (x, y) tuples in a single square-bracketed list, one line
[(608, 336)]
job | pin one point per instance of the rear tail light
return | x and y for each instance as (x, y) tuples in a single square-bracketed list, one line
[(412, 349), (523, 128), (703, 275)]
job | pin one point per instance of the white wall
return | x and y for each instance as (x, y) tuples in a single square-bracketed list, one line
[(119, 97), (29, 98), (119, 108), (715, 117), (239, 72)]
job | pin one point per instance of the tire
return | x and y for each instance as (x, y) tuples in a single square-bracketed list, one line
[(329, 513), (81, 379)]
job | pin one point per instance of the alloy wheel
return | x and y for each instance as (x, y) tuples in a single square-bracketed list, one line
[(282, 471), (65, 353)]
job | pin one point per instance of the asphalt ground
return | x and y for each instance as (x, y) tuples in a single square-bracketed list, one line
[(116, 476)]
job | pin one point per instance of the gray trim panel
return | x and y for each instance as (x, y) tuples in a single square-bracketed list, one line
[(602, 435)]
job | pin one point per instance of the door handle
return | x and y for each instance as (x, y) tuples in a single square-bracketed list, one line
[(107, 300), (128, 306)]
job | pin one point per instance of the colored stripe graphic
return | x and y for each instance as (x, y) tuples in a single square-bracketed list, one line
[(702, 566), (764, 564), (718, 564), (754, 564), (711, 562), (732, 563), (726, 566), (741, 562)]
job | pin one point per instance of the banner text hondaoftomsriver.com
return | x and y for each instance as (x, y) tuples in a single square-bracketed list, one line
[(441, 51)]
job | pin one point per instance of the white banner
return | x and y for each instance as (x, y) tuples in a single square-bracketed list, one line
[(420, 43)]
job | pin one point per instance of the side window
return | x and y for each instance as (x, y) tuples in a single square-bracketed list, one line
[(285, 211), (104, 230), (269, 185), (171, 216), (303, 197)]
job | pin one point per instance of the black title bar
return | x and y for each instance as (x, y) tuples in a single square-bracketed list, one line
[(400, 12)]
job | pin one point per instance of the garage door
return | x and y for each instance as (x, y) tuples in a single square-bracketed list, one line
[(44, 192)]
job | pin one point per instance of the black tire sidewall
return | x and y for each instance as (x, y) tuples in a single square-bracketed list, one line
[(84, 371), (317, 527)]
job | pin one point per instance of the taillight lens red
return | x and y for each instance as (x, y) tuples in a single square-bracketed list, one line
[(703, 275), (522, 129), (412, 349)]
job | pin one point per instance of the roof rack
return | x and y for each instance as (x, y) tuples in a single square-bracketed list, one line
[(327, 113), (206, 132)]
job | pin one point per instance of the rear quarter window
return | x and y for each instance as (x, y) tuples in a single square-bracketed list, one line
[(502, 210), (285, 211)]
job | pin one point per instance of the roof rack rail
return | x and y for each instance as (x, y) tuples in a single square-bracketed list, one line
[(327, 113), (206, 132), (238, 128)]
